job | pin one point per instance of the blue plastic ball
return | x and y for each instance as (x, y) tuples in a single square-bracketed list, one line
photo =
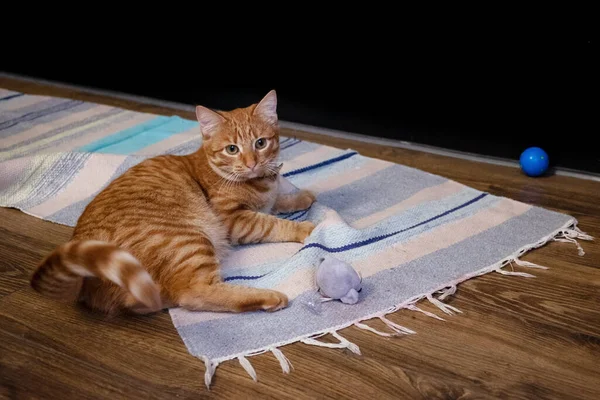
[(534, 161)]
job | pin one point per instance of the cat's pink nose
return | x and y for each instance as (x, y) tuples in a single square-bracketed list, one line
[(251, 164)]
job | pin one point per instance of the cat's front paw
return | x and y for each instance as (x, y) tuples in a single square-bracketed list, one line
[(305, 199), (304, 230)]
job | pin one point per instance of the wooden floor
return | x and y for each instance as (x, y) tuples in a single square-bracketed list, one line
[(517, 338)]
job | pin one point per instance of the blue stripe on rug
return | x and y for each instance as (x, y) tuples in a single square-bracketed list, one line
[(319, 165), (133, 139), (12, 96), (290, 144), (243, 278), (382, 237), (302, 214), (57, 131), (41, 113)]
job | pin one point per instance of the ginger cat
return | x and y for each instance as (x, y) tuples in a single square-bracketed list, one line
[(153, 238)]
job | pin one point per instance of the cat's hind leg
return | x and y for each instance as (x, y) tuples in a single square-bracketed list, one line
[(193, 281)]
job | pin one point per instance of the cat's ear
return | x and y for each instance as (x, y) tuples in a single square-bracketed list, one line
[(267, 108), (209, 121)]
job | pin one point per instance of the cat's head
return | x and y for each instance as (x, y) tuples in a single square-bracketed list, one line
[(242, 144)]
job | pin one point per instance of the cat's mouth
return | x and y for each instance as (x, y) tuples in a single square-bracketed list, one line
[(262, 171), (257, 173), (253, 174), (247, 174)]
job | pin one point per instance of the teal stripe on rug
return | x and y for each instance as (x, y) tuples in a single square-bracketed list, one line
[(133, 139)]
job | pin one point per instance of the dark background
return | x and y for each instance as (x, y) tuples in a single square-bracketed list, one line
[(491, 97)]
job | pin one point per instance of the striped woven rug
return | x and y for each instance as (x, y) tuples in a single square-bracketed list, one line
[(411, 235)]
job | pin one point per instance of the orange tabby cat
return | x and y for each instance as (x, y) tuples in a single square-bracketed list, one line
[(154, 237)]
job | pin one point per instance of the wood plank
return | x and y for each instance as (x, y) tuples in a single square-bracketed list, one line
[(517, 338), (24, 240)]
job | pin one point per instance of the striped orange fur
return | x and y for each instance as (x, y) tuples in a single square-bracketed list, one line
[(153, 238)]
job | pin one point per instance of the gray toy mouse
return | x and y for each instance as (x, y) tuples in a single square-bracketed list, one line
[(337, 280)]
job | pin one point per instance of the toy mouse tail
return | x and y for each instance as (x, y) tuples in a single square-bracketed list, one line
[(324, 299)]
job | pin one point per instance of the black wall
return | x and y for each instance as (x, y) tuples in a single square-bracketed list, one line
[(489, 98)]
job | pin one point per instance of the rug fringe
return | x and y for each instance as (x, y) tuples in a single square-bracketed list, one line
[(349, 345), (210, 367), (343, 344), (397, 328), (570, 233), (528, 264), (446, 308), (283, 360), (371, 329), (429, 314), (447, 292), (513, 273), (571, 236), (248, 367)]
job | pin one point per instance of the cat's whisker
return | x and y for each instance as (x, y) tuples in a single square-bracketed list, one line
[(225, 181), (231, 181), (272, 168), (228, 181), (221, 182)]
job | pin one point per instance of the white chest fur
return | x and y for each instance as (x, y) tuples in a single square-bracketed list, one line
[(281, 187)]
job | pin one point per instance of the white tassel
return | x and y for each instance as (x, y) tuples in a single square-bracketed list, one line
[(395, 327), (210, 367), (429, 314), (578, 233), (569, 236), (348, 344), (453, 308), (571, 240), (314, 342), (248, 367), (512, 273), (447, 308), (447, 292), (343, 344), (283, 360), (370, 329), (528, 264)]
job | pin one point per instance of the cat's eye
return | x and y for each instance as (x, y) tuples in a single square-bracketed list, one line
[(232, 149), (260, 143)]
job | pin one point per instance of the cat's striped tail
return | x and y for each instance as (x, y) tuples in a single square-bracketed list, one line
[(60, 274)]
